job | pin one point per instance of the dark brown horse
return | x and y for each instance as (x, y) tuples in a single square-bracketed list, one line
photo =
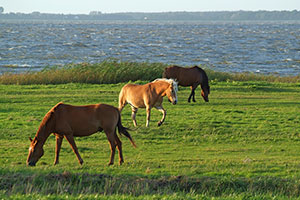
[(67, 121), (192, 77)]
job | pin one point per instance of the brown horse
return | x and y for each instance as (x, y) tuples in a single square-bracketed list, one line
[(192, 76), (148, 96), (76, 121)]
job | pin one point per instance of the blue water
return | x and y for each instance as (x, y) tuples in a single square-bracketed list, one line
[(259, 47)]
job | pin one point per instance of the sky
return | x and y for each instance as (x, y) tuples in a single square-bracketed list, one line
[(113, 6)]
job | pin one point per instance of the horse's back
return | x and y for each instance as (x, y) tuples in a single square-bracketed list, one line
[(184, 76), (85, 120), (135, 95), (134, 89)]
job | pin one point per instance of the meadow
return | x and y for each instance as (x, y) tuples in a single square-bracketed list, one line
[(243, 144)]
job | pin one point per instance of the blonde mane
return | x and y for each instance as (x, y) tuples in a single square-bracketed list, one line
[(170, 81)]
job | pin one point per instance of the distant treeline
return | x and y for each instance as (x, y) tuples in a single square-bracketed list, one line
[(199, 16)]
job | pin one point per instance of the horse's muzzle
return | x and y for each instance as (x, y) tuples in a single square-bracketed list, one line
[(174, 102), (31, 164)]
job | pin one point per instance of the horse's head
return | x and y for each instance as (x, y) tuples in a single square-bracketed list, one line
[(205, 92), (36, 151), (172, 92)]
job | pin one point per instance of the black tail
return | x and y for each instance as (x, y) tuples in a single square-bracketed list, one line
[(124, 131)]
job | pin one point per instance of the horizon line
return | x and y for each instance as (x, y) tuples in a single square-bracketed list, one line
[(150, 12)]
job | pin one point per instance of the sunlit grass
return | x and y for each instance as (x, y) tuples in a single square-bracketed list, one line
[(244, 142)]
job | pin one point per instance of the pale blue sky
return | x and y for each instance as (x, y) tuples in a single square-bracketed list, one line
[(112, 6)]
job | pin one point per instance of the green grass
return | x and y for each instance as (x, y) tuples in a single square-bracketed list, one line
[(243, 144)]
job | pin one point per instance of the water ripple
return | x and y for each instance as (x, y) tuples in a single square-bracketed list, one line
[(232, 47)]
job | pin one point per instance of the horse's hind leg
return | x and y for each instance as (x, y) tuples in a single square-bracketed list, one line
[(163, 111), (122, 102), (119, 146), (59, 139), (110, 134), (133, 115), (70, 139), (122, 105)]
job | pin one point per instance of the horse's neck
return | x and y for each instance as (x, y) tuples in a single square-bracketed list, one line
[(204, 79), (161, 88), (43, 134)]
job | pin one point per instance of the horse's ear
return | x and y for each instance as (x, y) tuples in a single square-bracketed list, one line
[(30, 139)]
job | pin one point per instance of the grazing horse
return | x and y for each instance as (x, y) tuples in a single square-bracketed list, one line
[(192, 76), (67, 121), (148, 96)]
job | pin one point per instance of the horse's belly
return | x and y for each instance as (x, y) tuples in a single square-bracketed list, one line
[(137, 104), (186, 82), (85, 128), (84, 132), (80, 134)]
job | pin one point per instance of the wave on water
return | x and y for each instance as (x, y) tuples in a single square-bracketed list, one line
[(270, 47)]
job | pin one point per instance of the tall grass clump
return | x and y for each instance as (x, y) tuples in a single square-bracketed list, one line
[(248, 76), (101, 73), (112, 71)]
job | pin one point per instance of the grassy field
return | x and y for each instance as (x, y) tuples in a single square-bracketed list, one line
[(243, 144)]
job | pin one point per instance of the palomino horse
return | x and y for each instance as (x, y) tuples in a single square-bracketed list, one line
[(192, 76), (76, 121), (148, 96)]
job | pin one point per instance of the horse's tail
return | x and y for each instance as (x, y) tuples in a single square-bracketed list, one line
[(124, 131), (122, 100)]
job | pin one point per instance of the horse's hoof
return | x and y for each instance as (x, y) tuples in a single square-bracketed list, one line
[(81, 162), (121, 162), (159, 124), (109, 164)]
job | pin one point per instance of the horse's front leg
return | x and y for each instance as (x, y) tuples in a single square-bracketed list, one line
[(59, 139), (192, 94), (163, 111), (148, 109), (119, 146), (193, 88), (70, 139)]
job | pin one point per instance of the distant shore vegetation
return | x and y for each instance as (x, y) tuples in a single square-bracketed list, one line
[(108, 72), (169, 16)]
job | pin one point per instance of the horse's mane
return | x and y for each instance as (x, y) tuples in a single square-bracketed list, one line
[(48, 117), (170, 81), (205, 77)]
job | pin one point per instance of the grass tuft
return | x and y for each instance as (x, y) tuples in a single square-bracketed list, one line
[(112, 71)]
